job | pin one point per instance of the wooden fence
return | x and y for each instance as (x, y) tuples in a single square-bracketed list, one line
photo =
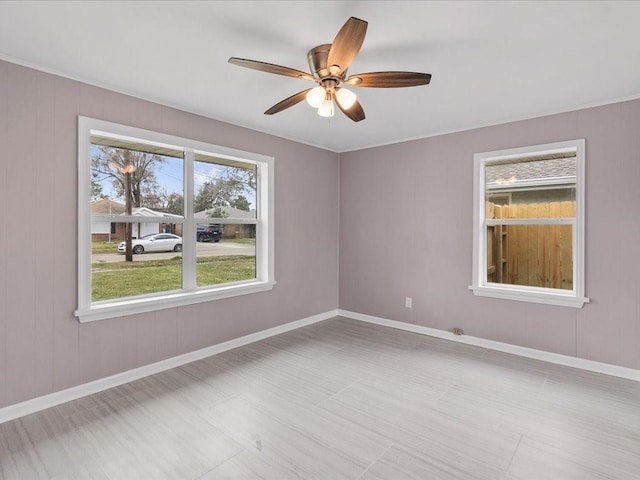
[(532, 255)]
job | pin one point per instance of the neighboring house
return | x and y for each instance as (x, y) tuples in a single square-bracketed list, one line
[(231, 230), (112, 231), (142, 229), (106, 231), (533, 180)]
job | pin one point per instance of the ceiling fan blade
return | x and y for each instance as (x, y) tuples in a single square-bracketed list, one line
[(354, 112), (270, 68), (346, 45), (287, 102), (388, 79)]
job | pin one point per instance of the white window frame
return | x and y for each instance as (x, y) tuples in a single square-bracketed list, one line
[(89, 311), (551, 296)]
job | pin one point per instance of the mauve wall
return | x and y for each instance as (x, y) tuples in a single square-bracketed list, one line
[(43, 348), (405, 230)]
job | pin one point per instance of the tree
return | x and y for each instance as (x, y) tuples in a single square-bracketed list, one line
[(219, 192), (132, 176), (113, 163), (96, 191), (175, 204), (226, 190), (244, 176), (241, 203), (217, 212)]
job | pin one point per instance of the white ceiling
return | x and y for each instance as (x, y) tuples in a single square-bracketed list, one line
[(491, 62)]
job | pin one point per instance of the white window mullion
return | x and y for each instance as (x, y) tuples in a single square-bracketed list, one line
[(264, 223), (189, 226), (84, 214), (578, 287), (479, 226), (579, 229), (259, 225)]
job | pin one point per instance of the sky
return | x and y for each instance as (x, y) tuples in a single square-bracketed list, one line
[(169, 175)]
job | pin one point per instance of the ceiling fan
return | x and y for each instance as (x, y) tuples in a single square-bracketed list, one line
[(329, 64)]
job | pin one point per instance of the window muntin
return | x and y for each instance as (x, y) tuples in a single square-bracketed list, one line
[(529, 224), (114, 284)]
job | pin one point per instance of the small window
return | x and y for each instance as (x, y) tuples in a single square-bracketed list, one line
[(187, 221), (529, 224)]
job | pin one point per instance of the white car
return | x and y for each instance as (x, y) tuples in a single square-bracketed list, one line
[(155, 242)]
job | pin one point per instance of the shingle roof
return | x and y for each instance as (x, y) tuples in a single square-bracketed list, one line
[(508, 173), (107, 207)]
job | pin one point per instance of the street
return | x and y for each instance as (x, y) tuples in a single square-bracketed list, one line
[(203, 250)]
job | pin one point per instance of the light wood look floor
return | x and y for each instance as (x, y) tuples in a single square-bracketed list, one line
[(340, 400)]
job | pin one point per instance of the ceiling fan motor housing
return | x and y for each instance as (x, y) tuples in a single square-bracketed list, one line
[(317, 59)]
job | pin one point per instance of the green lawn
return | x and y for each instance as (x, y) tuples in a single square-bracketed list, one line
[(125, 279), (100, 246)]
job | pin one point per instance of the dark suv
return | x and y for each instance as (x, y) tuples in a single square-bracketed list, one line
[(209, 233)]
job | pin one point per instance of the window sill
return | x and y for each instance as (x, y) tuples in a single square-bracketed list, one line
[(539, 296), (124, 307)]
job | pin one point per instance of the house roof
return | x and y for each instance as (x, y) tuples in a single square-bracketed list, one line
[(555, 171), (147, 212), (107, 207), (111, 207)]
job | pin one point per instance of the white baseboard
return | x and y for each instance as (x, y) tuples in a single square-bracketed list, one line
[(581, 363), (47, 401)]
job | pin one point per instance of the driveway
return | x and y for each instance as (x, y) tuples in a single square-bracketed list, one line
[(203, 250)]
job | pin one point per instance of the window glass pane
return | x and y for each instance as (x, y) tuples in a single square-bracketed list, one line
[(154, 182), (225, 253), (223, 189), (532, 182), (156, 266), (530, 255), (551, 209), (138, 183)]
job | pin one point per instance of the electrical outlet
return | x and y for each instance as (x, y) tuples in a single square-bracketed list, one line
[(408, 302)]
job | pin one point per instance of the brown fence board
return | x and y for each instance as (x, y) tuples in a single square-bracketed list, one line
[(535, 255)]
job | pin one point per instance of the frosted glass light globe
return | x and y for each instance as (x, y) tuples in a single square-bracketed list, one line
[(346, 98), (316, 96), (326, 109)]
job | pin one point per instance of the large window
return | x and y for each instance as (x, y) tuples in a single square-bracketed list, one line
[(166, 221), (529, 224)]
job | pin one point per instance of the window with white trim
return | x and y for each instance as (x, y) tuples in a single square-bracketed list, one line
[(529, 224), (165, 221)]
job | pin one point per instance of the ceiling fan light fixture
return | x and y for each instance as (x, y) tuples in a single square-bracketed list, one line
[(328, 64), (316, 96), (346, 98), (326, 109)]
